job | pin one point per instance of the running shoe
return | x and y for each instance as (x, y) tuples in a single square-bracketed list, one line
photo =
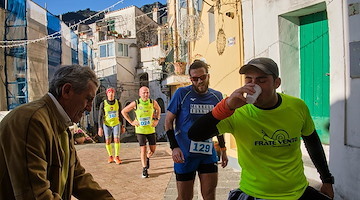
[(145, 173), (111, 159), (147, 163), (117, 160)]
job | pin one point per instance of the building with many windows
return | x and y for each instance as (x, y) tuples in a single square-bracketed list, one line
[(35, 43), (126, 54)]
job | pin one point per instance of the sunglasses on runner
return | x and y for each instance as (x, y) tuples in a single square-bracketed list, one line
[(202, 77)]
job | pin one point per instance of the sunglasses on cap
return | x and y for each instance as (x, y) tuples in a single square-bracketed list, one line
[(202, 77)]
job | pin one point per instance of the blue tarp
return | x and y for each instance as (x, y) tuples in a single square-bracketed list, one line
[(17, 12), (91, 56), (16, 56), (74, 48), (54, 45)]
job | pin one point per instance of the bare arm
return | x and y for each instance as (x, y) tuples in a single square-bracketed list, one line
[(101, 119), (121, 118), (169, 121), (156, 115), (125, 113), (157, 110)]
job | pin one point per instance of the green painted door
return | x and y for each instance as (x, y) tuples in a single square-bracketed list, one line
[(314, 66)]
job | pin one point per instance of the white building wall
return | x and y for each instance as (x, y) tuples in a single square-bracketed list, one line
[(264, 36), (37, 58), (151, 53), (65, 45), (124, 21), (345, 126), (150, 58)]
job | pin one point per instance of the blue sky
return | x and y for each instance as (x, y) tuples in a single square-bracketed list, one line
[(57, 7)]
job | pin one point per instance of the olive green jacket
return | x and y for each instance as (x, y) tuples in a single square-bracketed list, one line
[(31, 157)]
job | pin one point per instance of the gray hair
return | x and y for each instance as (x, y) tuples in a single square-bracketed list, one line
[(78, 76)]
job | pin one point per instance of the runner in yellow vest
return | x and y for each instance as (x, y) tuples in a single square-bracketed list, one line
[(110, 124), (147, 113)]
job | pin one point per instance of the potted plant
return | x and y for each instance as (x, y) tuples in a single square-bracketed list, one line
[(180, 67)]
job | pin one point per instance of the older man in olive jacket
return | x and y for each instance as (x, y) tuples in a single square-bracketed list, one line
[(37, 155)]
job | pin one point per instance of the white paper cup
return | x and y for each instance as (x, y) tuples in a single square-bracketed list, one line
[(251, 98)]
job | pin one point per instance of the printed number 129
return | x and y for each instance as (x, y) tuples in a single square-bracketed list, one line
[(201, 147)]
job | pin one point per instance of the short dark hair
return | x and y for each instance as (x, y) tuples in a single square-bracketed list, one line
[(199, 64), (78, 76)]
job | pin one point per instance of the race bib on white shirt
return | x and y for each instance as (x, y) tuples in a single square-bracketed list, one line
[(201, 147), (144, 121)]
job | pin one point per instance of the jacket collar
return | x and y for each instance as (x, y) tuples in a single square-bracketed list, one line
[(62, 123), (61, 110)]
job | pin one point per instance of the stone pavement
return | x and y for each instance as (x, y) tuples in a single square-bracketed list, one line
[(228, 180), (125, 182)]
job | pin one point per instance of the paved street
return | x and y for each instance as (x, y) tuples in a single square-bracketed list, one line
[(124, 181)]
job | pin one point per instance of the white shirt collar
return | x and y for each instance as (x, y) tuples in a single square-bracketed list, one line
[(61, 110)]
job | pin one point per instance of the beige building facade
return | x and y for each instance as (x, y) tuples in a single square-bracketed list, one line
[(210, 31)]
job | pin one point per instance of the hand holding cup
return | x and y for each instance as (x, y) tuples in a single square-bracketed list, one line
[(251, 98)]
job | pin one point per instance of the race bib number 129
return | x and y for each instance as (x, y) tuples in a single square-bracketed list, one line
[(201, 147)]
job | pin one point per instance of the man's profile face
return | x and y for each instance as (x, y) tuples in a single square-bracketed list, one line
[(77, 104), (200, 80)]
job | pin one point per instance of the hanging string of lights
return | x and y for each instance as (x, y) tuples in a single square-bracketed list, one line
[(10, 44)]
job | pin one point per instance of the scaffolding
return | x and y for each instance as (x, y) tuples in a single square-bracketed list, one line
[(15, 57), (35, 43)]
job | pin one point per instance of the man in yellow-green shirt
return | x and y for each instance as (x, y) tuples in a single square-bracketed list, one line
[(147, 115), (267, 135)]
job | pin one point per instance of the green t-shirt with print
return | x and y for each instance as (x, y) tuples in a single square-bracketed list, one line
[(268, 147)]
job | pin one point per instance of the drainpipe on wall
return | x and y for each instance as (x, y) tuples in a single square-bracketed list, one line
[(176, 32), (188, 43), (241, 38)]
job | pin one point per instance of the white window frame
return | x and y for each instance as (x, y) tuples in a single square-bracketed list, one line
[(108, 48), (123, 50)]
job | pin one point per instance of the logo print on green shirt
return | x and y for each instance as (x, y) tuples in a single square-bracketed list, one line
[(279, 138)]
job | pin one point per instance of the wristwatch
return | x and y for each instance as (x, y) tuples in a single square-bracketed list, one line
[(329, 180), (155, 118)]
